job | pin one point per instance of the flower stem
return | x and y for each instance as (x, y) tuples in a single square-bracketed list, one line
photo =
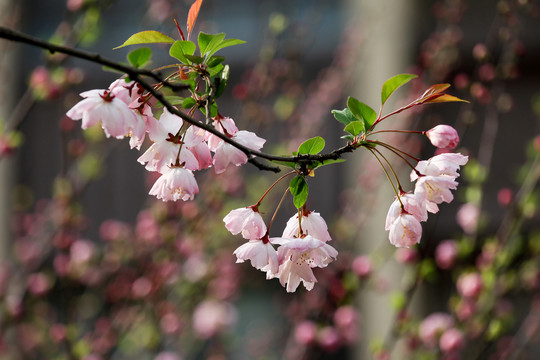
[(272, 186), (275, 212), (374, 151)]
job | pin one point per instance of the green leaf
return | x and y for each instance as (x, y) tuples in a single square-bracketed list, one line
[(214, 61), (222, 81), (348, 137), (393, 84), (188, 103), (318, 164), (299, 190), (225, 43), (139, 57), (194, 59), (146, 37), (362, 111), (344, 116), (355, 128), (174, 100), (207, 41), (213, 71), (311, 146), (182, 48)]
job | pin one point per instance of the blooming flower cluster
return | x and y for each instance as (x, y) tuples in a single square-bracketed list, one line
[(435, 178), (302, 246), (178, 148)]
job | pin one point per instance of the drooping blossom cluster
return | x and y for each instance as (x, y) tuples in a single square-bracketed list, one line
[(178, 148), (302, 246), (435, 178)]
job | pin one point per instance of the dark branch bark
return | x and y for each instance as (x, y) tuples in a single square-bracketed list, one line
[(138, 75)]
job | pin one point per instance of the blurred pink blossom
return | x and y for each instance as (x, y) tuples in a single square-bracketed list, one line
[(211, 317), (446, 254)]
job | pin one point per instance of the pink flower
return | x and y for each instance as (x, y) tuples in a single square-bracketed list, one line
[(226, 154), (443, 136), (175, 183), (405, 231), (260, 253), (362, 266), (117, 119), (467, 217), (223, 125), (470, 285), (446, 254), (412, 205), (451, 340), (312, 224), (248, 221), (435, 189), (297, 256), (164, 150), (442, 164), (212, 317), (304, 332), (432, 327)]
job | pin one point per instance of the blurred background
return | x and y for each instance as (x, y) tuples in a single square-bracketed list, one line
[(93, 268)]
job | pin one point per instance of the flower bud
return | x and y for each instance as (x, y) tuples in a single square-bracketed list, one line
[(446, 254), (362, 266), (451, 340), (443, 136), (469, 285)]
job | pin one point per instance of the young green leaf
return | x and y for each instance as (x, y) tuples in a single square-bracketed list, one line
[(180, 49), (299, 190), (393, 84), (214, 61), (344, 116), (355, 128), (194, 59), (146, 37), (139, 57), (223, 44), (208, 41), (188, 103), (362, 111), (311, 146)]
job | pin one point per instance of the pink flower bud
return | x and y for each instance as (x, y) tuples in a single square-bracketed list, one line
[(433, 326), (465, 310), (443, 136), (328, 339), (304, 332), (469, 285), (446, 254), (467, 217), (451, 340), (362, 266)]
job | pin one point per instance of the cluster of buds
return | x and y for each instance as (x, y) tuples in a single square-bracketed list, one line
[(302, 246), (178, 148)]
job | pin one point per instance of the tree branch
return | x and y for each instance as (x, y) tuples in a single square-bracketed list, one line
[(138, 75)]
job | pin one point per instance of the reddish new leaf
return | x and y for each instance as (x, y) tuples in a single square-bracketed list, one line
[(443, 98), (192, 15)]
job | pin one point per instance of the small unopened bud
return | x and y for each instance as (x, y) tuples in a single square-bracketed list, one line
[(443, 136)]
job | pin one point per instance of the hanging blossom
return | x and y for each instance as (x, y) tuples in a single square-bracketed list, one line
[(174, 184), (299, 250), (435, 178)]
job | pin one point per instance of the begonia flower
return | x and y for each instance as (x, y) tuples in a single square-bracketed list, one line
[(297, 256), (260, 253), (405, 231), (312, 224), (443, 136), (411, 204), (224, 125), (164, 151), (442, 164), (433, 326), (247, 221), (226, 154), (117, 119), (175, 183), (435, 189)]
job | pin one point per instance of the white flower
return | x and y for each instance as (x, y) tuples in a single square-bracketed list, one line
[(226, 154)]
